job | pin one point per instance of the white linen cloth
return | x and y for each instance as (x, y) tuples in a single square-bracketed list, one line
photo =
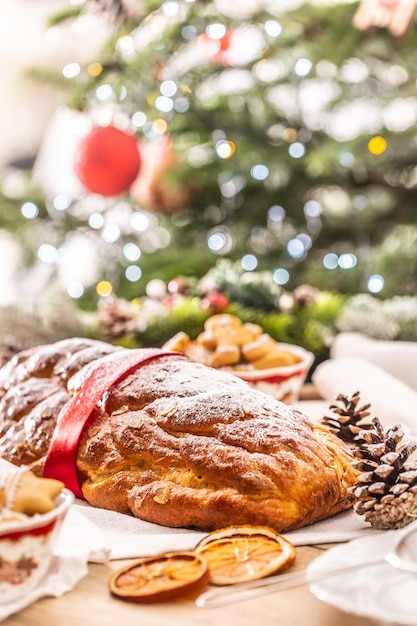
[(398, 358), (106, 535)]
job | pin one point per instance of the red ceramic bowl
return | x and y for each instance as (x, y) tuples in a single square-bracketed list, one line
[(27, 547), (285, 382)]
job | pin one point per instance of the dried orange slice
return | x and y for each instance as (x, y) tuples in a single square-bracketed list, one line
[(241, 553), (159, 578)]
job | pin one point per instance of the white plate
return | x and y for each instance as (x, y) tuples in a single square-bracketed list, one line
[(378, 591)]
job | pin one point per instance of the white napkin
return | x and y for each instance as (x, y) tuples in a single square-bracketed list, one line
[(398, 358), (62, 576), (390, 398), (118, 536), (102, 535), (339, 528)]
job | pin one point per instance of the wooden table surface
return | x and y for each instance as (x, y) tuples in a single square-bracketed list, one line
[(90, 603)]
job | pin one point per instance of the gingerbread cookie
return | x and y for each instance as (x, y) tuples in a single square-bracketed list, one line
[(228, 342), (23, 493)]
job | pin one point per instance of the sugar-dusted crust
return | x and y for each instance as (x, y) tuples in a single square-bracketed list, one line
[(177, 443)]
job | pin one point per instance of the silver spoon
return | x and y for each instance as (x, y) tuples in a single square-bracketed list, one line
[(403, 555)]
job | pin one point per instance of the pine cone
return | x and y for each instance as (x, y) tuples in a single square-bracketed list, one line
[(349, 420), (117, 318), (386, 491), (118, 12), (305, 294)]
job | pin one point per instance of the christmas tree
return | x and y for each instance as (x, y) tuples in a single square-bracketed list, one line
[(277, 138)]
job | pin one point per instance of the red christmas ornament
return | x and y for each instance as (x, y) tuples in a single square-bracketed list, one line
[(214, 49), (108, 161), (215, 302)]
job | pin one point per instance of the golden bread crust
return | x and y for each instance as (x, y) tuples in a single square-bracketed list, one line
[(177, 443)]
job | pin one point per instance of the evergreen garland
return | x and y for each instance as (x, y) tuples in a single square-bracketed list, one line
[(392, 319)]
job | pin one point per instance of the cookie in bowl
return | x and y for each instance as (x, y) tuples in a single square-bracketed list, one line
[(244, 350), (32, 510)]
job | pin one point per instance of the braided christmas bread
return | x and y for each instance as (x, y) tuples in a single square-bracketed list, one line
[(168, 440)]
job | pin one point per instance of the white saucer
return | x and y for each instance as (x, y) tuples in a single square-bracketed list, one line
[(378, 591)]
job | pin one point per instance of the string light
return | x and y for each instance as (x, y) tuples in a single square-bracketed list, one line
[(303, 67), (164, 104), (104, 288), (125, 45), (273, 28), (139, 119), (71, 70), (289, 135), (111, 233), (48, 253), (168, 88), (29, 210), (305, 240), (139, 221), (281, 276), (170, 8), (181, 104), (96, 221), (295, 248), (216, 31), (61, 202), (276, 213), (330, 261), (94, 69), (220, 241), (347, 261), (377, 145), (159, 127), (75, 290), (225, 149), (104, 92), (312, 209), (133, 273), (296, 150), (375, 283), (259, 172), (131, 252), (249, 262)]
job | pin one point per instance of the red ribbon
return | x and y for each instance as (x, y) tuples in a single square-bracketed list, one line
[(61, 458)]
